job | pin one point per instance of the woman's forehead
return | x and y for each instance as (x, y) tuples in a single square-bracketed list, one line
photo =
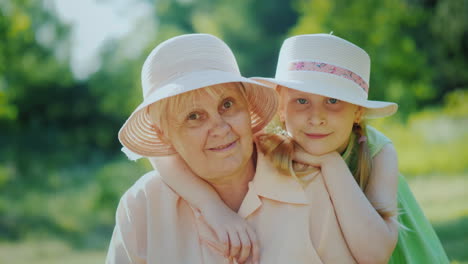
[(214, 93), (202, 98)]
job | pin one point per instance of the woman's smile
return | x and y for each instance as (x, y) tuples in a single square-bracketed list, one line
[(224, 147)]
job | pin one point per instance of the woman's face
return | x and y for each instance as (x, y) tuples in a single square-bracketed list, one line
[(213, 133), (319, 124)]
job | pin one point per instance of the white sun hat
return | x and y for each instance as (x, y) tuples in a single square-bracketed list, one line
[(330, 66), (182, 64)]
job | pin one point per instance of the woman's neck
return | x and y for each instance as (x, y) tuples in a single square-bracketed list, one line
[(233, 190)]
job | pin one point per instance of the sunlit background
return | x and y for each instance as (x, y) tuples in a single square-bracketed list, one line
[(69, 77)]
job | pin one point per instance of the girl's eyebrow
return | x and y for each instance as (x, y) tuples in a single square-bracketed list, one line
[(299, 94)]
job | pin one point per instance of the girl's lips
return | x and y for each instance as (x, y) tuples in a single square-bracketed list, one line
[(224, 147), (317, 135)]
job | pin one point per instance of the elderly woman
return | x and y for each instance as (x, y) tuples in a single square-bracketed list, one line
[(198, 106)]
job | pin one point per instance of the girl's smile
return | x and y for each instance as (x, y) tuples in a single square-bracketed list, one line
[(317, 135)]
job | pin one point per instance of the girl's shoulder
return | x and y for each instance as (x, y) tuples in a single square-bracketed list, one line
[(376, 140)]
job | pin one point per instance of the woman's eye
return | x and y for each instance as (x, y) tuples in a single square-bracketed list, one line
[(227, 104), (302, 101), (193, 116), (332, 100)]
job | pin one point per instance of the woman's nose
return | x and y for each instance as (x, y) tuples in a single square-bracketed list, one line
[(219, 127)]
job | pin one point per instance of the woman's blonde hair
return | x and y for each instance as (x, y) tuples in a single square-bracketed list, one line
[(159, 111)]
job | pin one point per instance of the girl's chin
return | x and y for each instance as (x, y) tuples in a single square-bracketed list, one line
[(318, 151)]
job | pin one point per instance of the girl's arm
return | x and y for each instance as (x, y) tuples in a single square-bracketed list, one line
[(370, 237), (237, 237)]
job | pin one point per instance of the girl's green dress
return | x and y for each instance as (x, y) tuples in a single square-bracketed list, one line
[(418, 244)]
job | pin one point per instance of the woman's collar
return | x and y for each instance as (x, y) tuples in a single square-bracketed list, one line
[(271, 184)]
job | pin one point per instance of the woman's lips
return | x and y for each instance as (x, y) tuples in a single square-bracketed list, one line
[(317, 135), (224, 147)]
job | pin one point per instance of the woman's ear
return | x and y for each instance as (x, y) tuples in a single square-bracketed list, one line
[(150, 111), (359, 114), (163, 137)]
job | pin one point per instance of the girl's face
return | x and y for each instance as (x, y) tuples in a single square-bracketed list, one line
[(319, 124), (213, 134)]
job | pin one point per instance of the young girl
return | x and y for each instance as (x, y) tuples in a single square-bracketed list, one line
[(323, 82)]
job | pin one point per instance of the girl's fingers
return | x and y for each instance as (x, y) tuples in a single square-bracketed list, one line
[(305, 158), (224, 240), (246, 246), (255, 251), (234, 243)]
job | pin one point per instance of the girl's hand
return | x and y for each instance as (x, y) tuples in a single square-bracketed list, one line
[(238, 240), (305, 159), (237, 237)]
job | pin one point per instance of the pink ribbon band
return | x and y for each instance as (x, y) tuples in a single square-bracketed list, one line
[(331, 69)]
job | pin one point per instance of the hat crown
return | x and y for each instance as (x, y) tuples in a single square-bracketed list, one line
[(323, 48), (185, 54), (183, 64)]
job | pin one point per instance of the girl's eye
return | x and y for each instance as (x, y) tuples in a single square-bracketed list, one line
[(227, 104), (302, 101), (332, 101), (193, 116)]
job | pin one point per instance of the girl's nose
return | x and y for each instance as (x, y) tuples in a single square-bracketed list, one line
[(317, 117)]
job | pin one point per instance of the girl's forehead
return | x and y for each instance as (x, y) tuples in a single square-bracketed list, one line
[(294, 92)]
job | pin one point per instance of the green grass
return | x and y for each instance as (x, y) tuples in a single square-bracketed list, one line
[(445, 202), (47, 252), (443, 199)]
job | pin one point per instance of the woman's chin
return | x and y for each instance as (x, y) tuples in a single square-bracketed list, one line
[(226, 168)]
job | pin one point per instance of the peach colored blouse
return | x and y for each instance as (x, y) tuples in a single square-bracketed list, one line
[(294, 220)]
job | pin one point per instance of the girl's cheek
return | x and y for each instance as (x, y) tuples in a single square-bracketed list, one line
[(335, 108)]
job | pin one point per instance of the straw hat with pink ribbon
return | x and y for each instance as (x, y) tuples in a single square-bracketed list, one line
[(330, 66)]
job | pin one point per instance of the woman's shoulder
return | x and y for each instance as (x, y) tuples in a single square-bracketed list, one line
[(151, 179), (148, 187)]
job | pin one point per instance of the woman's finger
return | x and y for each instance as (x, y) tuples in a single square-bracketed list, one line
[(245, 248)]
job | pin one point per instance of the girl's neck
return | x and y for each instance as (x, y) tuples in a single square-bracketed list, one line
[(233, 190)]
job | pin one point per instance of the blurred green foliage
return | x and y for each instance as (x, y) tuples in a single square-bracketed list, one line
[(434, 140), (418, 48), (61, 171)]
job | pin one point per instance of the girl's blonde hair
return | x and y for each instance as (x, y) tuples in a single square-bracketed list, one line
[(280, 148), (364, 160)]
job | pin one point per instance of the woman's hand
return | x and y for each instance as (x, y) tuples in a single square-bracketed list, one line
[(237, 237)]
